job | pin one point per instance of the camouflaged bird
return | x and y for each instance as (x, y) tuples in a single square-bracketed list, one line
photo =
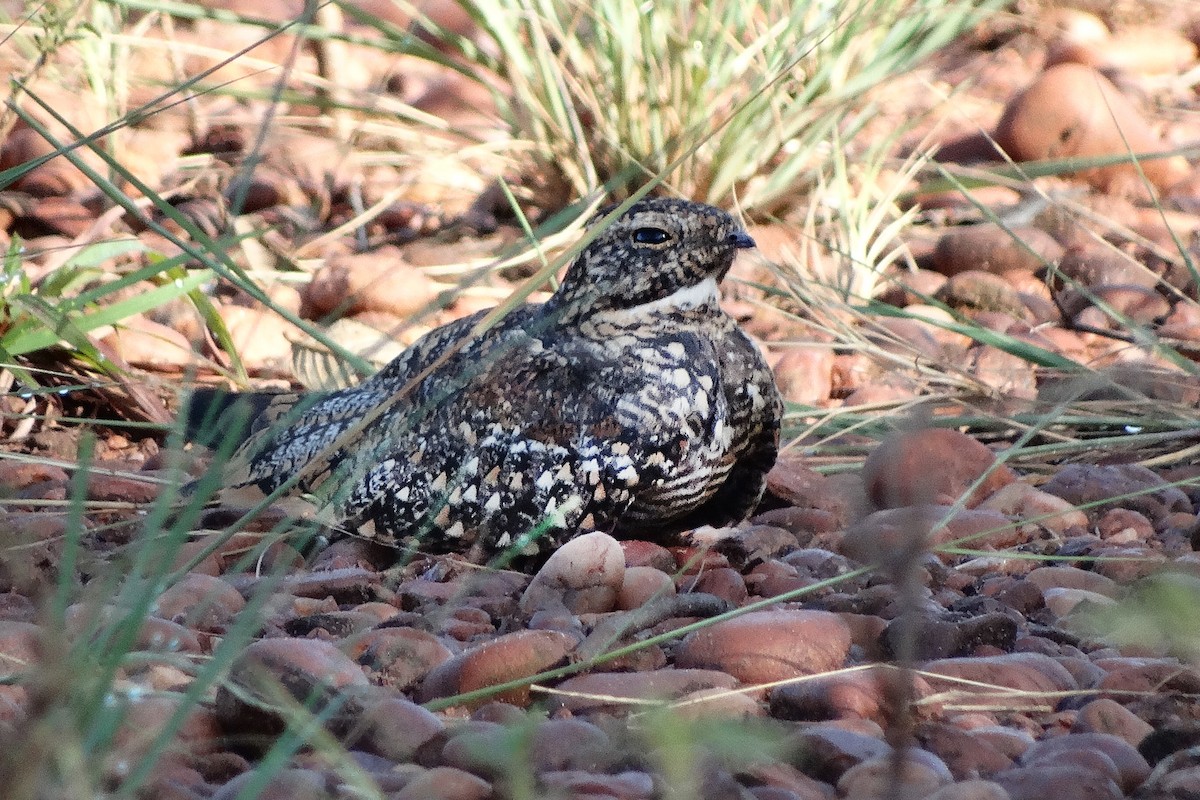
[(629, 402)]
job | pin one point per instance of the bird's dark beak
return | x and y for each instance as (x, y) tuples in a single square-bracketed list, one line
[(741, 240)]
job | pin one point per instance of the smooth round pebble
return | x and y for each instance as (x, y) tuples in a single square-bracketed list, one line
[(1130, 764), (970, 790), (1105, 715), (765, 646), (445, 783), (394, 728), (286, 784), (1059, 782), (201, 601), (312, 671), (934, 465), (503, 659), (585, 575), (642, 584), (915, 774), (625, 692)]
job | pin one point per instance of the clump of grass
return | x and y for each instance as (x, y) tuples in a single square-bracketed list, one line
[(722, 101)]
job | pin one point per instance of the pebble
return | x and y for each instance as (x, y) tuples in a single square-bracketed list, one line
[(445, 783), (1135, 486), (894, 537), (642, 584), (1105, 715), (584, 576), (1034, 506), (1028, 672), (1129, 765), (915, 773), (202, 601), (1067, 782), (506, 658), (398, 657), (394, 728), (965, 753), (766, 646), (286, 784), (585, 785), (970, 790), (934, 465), (570, 744), (622, 692), (312, 671), (826, 752)]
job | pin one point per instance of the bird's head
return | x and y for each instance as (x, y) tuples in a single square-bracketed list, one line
[(662, 253)]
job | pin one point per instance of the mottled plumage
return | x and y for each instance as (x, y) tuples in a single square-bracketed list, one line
[(629, 402)]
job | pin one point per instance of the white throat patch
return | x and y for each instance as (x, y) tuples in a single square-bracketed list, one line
[(688, 297)]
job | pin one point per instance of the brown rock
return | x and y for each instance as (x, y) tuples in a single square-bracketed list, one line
[(445, 783), (965, 754), (935, 465), (394, 728), (1062, 602), (800, 486), (146, 718), (1060, 782), (1095, 265), (1031, 672), (155, 634), (1074, 111), (201, 601), (584, 576), (569, 744), (143, 342), (31, 555), (1105, 715), (606, 691), (1072, 578), (975, 290), (725, 583), (1131, 767), (19, 647), (989, 247), (628, 785), (1005, 374), (17, 475), (1144, 49), (640, 553), (1133, 486), (399, 656), (891, 536), (860, 694), (827, 751), (506, 658), (121, 489), (376, 281), (311, 671), (263, 339), (1124, 526), (286, 784), (642, 584), (765, 646), (915, 774), (1032, 505), (970, 790), (805, 375)]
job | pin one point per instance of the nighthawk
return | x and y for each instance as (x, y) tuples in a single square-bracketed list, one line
[(628, 402)]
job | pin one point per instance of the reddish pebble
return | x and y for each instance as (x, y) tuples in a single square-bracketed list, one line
[(935, 465), (765, 646)]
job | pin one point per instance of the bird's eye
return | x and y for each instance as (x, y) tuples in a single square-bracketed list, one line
[(650, 236)]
